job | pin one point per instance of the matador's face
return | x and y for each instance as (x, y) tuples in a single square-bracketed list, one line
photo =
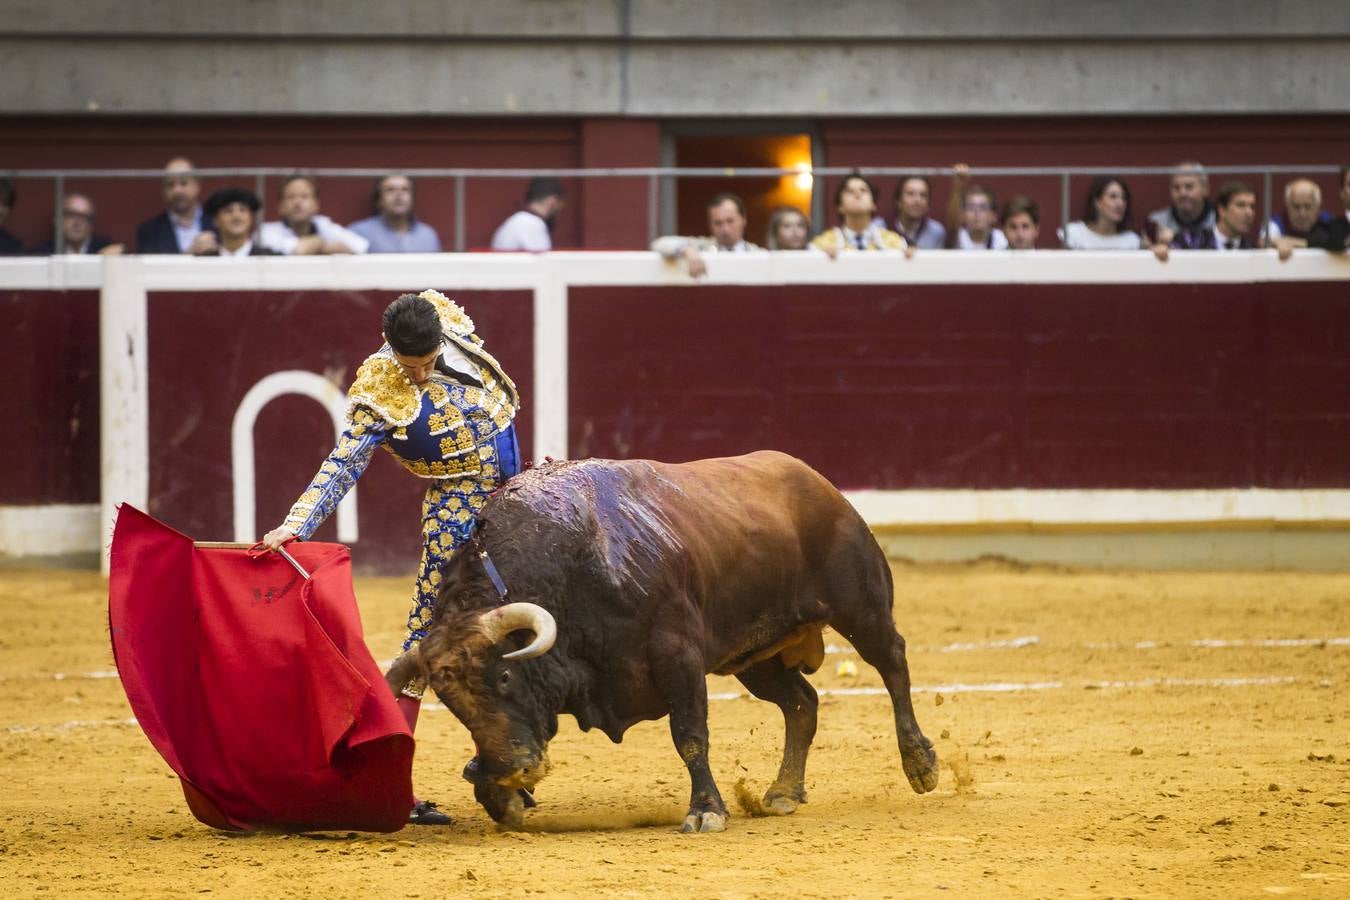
[(418, 368)]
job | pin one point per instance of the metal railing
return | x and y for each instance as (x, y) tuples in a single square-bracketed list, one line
[(655, 174)]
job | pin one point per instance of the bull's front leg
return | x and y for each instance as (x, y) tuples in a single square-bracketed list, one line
[(679, 676)]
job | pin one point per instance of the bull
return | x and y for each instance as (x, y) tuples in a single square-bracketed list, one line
[(630, 581)]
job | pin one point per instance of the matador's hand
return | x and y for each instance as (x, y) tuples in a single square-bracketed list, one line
[(275, 538)]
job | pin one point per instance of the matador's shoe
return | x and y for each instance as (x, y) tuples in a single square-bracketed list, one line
[(424, 812)]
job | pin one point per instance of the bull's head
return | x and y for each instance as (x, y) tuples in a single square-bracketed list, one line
[(475, 666)]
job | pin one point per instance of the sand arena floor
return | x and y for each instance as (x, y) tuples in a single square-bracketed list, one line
[(1102, 734)]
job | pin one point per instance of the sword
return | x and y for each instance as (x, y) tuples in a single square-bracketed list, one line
[(234, 545)]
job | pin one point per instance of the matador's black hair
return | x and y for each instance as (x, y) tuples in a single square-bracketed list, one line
[(411, 326)]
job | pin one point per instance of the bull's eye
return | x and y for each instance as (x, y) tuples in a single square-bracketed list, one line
[(504, 679)]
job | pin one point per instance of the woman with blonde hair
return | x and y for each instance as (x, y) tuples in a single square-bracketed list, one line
[(789, 229)]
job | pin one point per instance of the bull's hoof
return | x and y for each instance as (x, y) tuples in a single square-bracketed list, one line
[(783, 802), (704, 823), (513, 817), (921, 767), (505, 806)]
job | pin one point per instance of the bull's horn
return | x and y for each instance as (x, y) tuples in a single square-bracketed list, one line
[(503, 620)]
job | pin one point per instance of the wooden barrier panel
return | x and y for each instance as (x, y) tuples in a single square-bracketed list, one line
[(50, 399), (975, 386)]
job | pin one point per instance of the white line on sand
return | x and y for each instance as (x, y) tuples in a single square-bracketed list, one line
[(992, 687), (1029, 640), (1221, 643), (68, 726), (100, 673), (1007, 687)]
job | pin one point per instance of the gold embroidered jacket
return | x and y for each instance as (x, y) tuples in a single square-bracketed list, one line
[(434, 430)]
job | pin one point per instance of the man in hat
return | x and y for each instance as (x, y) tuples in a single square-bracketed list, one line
[(233, 212), (436, 400)]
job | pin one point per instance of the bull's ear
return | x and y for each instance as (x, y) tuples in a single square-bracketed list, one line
[(405, 669)]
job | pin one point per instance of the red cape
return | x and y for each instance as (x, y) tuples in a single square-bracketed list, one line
[(255, 685)]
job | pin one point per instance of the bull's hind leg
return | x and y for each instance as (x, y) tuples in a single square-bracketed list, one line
[(772, 681), (882, 647)]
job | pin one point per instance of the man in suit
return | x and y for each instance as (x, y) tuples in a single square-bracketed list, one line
[(1235, 213), (182, 227), (1334, 235), (77, 230)]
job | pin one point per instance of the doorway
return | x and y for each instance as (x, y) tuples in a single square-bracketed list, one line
[(733, 146)]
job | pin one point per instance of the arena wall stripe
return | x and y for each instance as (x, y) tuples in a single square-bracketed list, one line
[(67, 529)]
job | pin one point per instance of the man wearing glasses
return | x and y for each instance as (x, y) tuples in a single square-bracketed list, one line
[(77, 230), (971, 214)]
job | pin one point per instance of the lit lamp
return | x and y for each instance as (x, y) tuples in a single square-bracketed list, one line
[(803, 179)]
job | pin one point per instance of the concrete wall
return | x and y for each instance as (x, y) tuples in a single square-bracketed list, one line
[(674, 57)]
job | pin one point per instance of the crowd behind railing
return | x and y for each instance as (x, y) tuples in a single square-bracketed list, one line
[(228, 221)]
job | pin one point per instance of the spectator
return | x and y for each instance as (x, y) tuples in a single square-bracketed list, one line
[(77, 230), (182, 227), (302, 231), (789, 229), (1106, 219), (726, 221), (1021, 222), (855, 200), (1190, 209), (9, 244), (970, 214), (531, 228), (911, 215), (1234, 215), (1302, 210), (394, 228), (234, 214), (1334, 235)]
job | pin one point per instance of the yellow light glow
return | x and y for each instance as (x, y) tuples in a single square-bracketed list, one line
[(804, 179)]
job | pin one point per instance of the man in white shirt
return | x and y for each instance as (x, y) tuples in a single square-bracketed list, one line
[(971, 212), (302, 231), (726, 221), (529, 229)]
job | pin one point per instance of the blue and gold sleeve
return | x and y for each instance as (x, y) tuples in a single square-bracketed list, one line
[(364, 433)]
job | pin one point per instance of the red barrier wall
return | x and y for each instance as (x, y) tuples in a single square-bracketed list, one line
[(49, 354), (975, 386), (207, 350), (1169, 386)]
